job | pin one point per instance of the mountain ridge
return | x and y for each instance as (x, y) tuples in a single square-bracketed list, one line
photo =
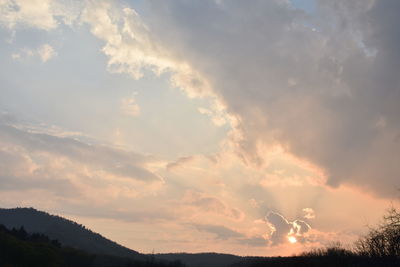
[(68, 232), (77, 236)]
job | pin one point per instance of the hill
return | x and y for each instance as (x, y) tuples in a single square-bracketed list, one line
[(18, 248), (67, 232), (56, 241)]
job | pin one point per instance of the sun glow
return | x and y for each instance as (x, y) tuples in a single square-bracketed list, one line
[(292, 239)]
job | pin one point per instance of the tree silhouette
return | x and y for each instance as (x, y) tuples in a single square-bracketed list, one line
[(384, 240)]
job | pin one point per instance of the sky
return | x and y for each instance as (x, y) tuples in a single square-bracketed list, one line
[(245, 127)]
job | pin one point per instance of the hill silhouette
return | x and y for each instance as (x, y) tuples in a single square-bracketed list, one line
[(68, 233), (74, 235), (55, 241), (21, 249)]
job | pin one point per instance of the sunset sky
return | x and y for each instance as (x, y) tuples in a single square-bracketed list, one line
[(253, 127)]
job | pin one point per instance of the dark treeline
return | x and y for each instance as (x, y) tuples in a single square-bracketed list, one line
[(380, 247), (325, 261), (19, 248), (67, 232), (327, 257)]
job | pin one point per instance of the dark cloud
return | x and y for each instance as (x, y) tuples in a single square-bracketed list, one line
[(325, 86), (282, 229)]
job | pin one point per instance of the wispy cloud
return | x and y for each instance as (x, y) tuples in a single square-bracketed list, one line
[(309, 213), (98, 157), (220, 232), (130, 107), (45, 52), (210, 204)]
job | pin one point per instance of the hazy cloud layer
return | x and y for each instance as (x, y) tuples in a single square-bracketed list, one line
[(224, 233), (100, 157), (221, 232), (18, 172), (210, 204)]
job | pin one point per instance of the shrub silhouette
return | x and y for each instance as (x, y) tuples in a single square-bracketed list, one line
[(384, 240), (333, 250)]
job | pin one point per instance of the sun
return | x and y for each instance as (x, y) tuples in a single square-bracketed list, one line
[(292, 239)]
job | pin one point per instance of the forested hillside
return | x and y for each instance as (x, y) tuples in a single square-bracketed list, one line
[(18, 248), (67, 232)]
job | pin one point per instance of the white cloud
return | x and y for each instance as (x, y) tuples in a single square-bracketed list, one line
[(130, 107), (16, 56), (46, 52), (40, 14), (218, 117), (32, 13), (309, 213), (23, 54), (132, 48)]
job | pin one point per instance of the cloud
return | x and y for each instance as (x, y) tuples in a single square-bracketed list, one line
[(137, 214), (257, 241), (39, 14), (316, 90), (133, 48), (19, 172), (221, 232), (52, 169), (323, 87), (281, 229), (211, 204), (45, 52), (309, 213), (224, 233), (114, 161), (23, 54), (218, 117), (130, 107), (33, 13), (179, 163)]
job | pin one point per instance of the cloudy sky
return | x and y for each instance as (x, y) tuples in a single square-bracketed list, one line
[(248, 127)]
